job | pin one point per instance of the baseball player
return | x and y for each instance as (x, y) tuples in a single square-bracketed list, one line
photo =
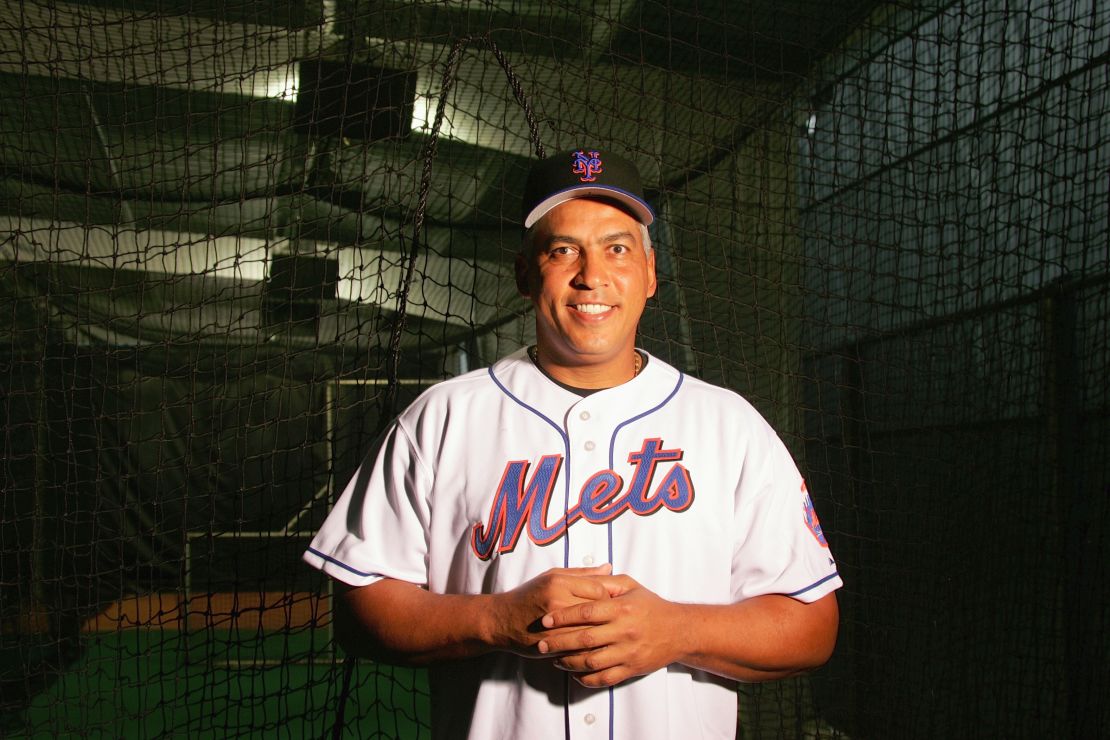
[(581, 541)]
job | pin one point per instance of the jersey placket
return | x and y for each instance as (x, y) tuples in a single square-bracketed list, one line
[(588, 545)]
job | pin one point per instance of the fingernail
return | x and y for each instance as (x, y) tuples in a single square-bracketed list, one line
[(548, 621), (542, 646)]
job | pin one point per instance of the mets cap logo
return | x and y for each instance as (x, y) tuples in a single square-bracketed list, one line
[(810, 516), (586, 167)]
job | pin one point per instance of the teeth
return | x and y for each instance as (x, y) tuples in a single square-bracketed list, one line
[(592, 307)]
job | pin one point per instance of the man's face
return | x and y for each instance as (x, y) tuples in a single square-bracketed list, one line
[(589, 277)]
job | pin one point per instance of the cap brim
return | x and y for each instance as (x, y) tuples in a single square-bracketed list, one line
[(639, 209)]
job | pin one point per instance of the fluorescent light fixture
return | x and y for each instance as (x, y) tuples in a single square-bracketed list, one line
[(456, 124), (280, 83)]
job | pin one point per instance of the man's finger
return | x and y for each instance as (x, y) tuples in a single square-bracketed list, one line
[(590, 583), (559, 588), (605, 569), (602, 679), (617, 585), (576, 639), (586, 613), (589, 661)]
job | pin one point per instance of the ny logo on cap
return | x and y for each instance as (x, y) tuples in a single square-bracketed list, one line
[(588, 168)]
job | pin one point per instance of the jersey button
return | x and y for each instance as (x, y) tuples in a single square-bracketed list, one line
[(584, 416), (589, 445), (588, 560), (590, 719)]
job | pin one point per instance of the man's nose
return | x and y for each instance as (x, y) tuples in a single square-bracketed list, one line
[(592, 273)]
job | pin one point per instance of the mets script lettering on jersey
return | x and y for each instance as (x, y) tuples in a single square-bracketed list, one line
[(587, 167), (602, 498)]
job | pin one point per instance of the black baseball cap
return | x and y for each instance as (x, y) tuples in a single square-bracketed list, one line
[(584, 173)]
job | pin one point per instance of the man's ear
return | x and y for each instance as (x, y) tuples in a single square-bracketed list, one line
[(521, 268), (652, 282)]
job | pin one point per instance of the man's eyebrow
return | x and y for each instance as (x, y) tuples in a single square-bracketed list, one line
[(557, 240), (618, 236), (562, 238)]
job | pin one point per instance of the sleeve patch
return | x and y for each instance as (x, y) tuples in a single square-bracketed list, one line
[(810, 516)]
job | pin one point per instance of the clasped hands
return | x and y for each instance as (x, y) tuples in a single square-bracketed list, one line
[(602, 628)]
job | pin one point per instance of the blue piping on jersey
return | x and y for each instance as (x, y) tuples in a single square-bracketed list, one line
[(609, 525), (812, 586), (566, 537), (622, 425), (566, 449), (340, 563), (566, 506)]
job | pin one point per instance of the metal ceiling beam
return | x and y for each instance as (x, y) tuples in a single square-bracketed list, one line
[(176, 51)]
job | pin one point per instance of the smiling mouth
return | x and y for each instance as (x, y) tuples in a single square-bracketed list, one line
[(591, 308)]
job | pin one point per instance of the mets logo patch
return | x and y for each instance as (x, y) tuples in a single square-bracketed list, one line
[(586, 167), (810, 516)]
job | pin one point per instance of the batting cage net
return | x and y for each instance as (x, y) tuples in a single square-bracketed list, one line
[(236, 236)]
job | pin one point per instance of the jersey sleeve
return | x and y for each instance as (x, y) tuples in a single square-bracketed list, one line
[(377, 528), (780, 548)]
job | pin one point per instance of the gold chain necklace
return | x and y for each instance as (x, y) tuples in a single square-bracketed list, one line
[(534, 355)]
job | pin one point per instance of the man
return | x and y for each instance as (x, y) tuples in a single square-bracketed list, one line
[(581, 541)]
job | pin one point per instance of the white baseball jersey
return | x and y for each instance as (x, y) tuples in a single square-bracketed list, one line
[(493, 477)]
